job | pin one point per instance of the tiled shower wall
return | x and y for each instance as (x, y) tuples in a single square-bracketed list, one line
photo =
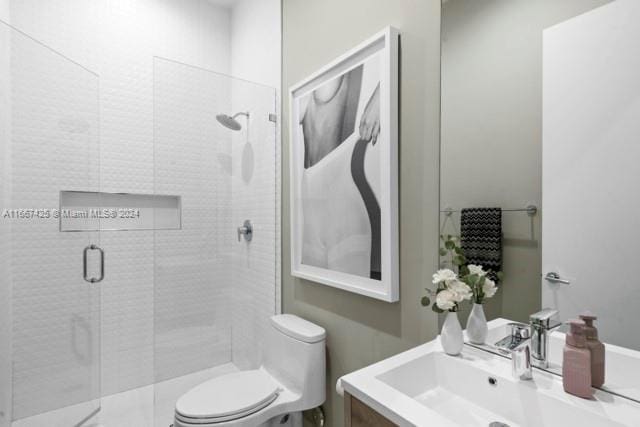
[(54, 145), (5, 279), (118, 40), (193, 275), (231, 177), (254, 198), (255, 56)]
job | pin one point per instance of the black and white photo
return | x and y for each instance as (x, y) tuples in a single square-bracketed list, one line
[(343, 147)]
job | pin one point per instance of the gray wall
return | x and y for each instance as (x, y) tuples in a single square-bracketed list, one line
[(492, 127), (362, 330)]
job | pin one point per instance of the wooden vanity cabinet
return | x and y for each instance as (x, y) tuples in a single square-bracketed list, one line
[(358, 414)]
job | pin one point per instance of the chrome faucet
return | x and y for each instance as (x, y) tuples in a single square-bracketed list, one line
[(518, 345), (541, 326)]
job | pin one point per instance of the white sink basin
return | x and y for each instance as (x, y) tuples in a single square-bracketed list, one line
[(461, 392), (622, 364), (425, 387)]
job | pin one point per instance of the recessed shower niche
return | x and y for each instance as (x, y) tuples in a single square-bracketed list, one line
[(98, 211)]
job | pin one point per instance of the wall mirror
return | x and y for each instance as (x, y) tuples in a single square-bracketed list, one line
[(540, 107)]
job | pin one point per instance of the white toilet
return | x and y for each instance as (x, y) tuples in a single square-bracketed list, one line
[(290, 379)]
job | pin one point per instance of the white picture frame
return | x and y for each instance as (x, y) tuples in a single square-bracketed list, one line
[(329, 245)]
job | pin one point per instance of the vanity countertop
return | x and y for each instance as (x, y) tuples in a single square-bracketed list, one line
[(425, 387), (622, 364)]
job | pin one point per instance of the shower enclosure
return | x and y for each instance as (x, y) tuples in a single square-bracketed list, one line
[(117, 296)]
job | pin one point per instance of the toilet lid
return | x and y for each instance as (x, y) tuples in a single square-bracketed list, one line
[(228, 396)]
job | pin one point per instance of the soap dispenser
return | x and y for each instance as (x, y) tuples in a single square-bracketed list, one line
[(596, 348), (576, 362)]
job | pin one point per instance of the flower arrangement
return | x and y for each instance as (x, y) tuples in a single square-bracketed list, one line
[(470, 283), (482, 286), (450, 291)]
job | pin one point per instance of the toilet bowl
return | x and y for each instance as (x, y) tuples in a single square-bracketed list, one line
[(291, 379)]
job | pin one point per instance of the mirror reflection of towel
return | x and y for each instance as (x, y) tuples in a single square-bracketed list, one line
[(481, 238)]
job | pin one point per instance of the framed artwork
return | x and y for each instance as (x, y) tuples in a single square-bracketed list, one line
[(344, 171)]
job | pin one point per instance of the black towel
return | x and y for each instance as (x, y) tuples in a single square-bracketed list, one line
[(481, 238)]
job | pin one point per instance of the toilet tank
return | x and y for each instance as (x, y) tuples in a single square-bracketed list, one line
[(294, 354)]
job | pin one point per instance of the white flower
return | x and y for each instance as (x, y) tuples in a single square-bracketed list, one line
[(461, 290), (444, 275), (445, 300), (489, 288), (476, 269)]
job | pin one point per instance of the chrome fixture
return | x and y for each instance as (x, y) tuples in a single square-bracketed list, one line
[(317, 416), (541, 326), (245, 230), (518, 345), (230, 122), (84, 264), (554, 277), (531, 210)]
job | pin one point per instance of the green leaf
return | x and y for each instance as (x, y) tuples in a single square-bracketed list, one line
[(425, 301), (437, 309), (459, 260), (458, 250), (449, 245), (443, 252)]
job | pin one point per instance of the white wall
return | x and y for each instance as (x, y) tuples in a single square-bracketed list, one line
[(256, 41), (590, 168), (4, 10)]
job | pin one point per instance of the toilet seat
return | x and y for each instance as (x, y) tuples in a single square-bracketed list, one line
[(227, 398)]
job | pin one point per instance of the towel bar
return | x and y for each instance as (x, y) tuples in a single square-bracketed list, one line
[(531, 210)]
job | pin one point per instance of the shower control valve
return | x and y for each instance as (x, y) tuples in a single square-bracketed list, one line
[(245, 230)]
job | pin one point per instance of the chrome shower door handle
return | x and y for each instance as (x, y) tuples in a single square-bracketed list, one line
[(554, 277), (84, 264), (101, 265)]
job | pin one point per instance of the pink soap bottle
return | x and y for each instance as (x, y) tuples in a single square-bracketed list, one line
[(596, 348), (576, 362)]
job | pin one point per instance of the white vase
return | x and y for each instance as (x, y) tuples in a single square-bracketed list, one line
[(451, 335), (477, 325)]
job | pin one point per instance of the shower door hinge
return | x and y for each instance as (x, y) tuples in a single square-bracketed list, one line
[(273, 118)]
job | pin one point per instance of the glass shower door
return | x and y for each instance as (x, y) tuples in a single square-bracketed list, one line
[(50, 143), (214, 290)]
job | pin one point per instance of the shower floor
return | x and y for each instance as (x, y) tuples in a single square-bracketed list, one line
[(150, 406)]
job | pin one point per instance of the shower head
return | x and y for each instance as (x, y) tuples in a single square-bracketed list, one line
[(230, 122)]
